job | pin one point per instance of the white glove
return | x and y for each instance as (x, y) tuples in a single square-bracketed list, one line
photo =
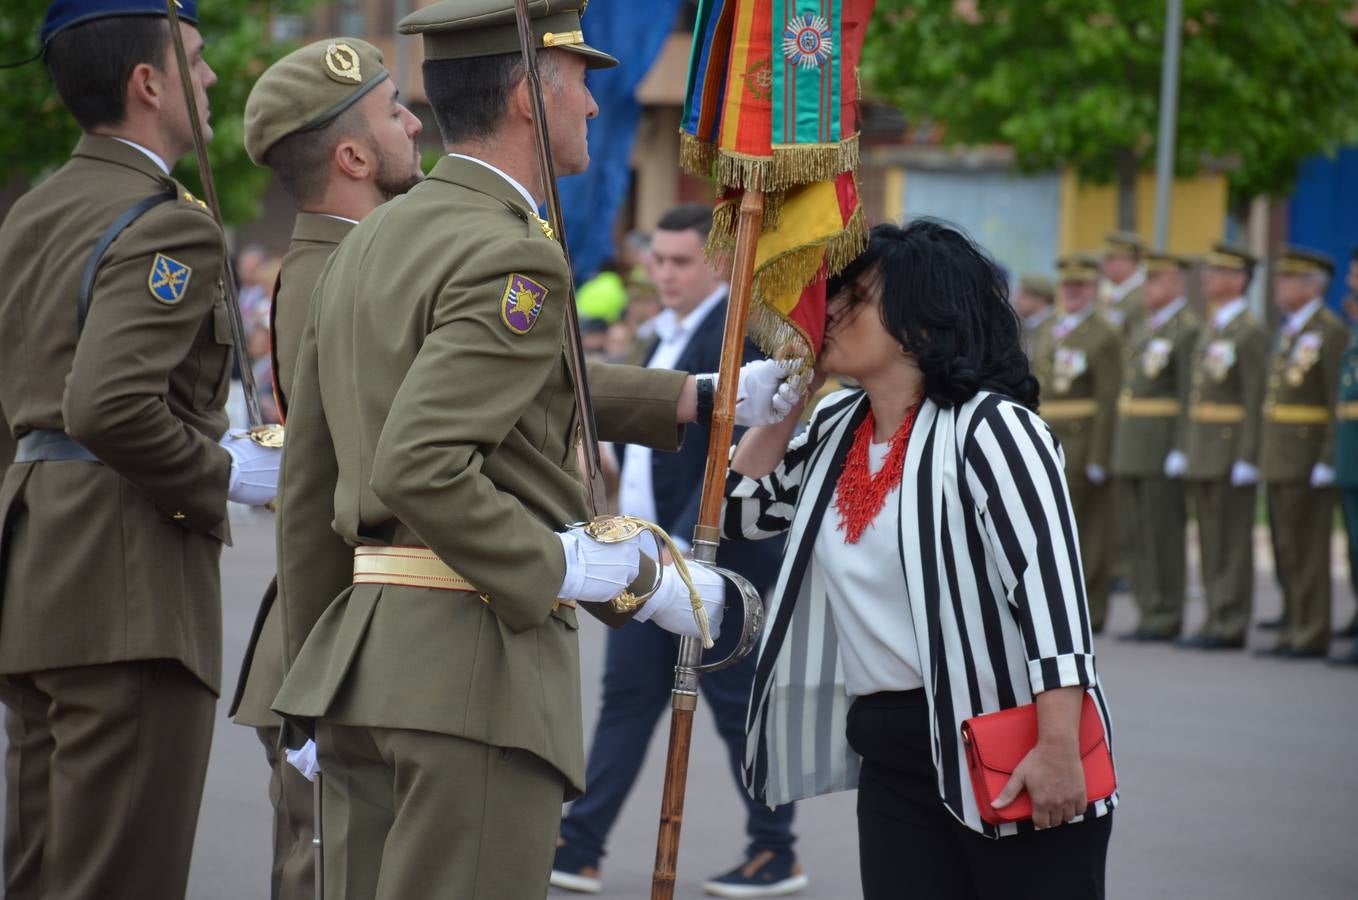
[(305, 761), (597, 572), (760, 399), (1176, 464), (1243, 474), (671, 609), (1095, 474), (254, 469), (1322, 475)]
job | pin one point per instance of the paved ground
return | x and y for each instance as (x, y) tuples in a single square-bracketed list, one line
[(1238, 776)]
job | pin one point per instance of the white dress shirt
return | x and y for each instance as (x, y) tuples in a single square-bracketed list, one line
[(1227, 312), (1167, 312), (1070, 321), (636, 494), (1117, 291), (1299, 319), (151, 154), (528, 198)]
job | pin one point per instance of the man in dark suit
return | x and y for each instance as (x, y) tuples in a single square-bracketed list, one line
[(639, 663)]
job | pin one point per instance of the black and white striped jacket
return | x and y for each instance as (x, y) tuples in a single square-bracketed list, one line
[(989, 560)]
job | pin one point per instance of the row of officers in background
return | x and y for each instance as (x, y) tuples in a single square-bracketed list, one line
[(1161, 411)]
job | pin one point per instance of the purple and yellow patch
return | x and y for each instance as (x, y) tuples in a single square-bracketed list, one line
[(522, 302)]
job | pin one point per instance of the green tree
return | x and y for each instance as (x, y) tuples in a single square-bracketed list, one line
[(36, 133), (1264, 83)]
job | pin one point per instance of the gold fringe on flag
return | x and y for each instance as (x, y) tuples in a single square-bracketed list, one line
[(789, 166)]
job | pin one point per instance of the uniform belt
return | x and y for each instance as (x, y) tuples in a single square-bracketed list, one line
[(1292, 414), (1148, 407), (411, 567), (50, 445), (1217, 413), (1059, 410), (1348, 411)]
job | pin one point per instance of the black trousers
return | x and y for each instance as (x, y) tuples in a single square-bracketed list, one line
[(911, 848)]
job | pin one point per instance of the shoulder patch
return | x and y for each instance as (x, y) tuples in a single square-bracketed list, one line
[(521, 303), (169, 279)]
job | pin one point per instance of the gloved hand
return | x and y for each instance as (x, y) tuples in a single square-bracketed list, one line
[(1176, 464), (304, 760), (1322, 475), (1243, 474), (1095, 474), (761, 398), (254, 469), (597, 572), (671, 609)]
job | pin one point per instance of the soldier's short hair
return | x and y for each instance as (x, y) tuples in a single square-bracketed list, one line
[(90, 64), (687, 217), (302, 159), (469, 96)]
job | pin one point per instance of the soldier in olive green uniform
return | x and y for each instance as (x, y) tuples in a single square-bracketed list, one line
[(1079, 402), (326, 119), (1297, 454), (1346, 451), (1152, 422), (1124, 277), (428, 576), (1035, 304), (1225, 403), (115, 358)]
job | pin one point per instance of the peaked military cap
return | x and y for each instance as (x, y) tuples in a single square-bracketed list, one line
[(1226, 255), (463, 29), (1038, 285), (62, 14), (1301, 261), (1123, 243), (1165, 262), (308, 89), (1078, 267)]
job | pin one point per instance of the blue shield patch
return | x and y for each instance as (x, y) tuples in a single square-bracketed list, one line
[(169, 279)]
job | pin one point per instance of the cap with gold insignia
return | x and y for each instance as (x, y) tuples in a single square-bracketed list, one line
[(1078, 267), (62, 14), (463, 29), (308, 89), (1226, 255), (1166, 262), (1301, 261), (1123, 243), (1038, 285)]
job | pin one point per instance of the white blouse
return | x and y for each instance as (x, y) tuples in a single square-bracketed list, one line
[(868, 600)]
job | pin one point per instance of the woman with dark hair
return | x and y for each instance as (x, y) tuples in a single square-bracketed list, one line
[(932, 575)]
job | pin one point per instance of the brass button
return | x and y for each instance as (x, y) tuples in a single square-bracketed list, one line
[(179, 516)]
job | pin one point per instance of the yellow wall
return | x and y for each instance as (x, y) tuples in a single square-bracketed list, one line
[(1197, 216)]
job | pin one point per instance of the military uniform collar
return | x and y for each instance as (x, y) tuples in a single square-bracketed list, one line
[(1228, 313), (1118, 291), (480, 175), (1037, 319), (1163, 316), (1296, 323), (119, 152), (321, 228)]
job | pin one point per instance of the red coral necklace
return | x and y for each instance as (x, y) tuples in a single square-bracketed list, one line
[(861, 494)]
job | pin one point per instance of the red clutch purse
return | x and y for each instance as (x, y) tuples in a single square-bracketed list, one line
[(997, 742)]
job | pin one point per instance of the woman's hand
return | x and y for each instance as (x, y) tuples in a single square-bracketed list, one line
[(1055, 780)]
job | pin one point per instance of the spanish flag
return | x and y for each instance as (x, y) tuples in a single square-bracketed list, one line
[(773, 103)]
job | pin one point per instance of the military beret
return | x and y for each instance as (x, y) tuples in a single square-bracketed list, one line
[(1123, 243), (1226, 255), (463, 29), (1038, 285), (1301, 261), (308, 89), (1078, 267), (62, 14), (1165, 262)]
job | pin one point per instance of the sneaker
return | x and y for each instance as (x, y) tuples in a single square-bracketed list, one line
[(766, 874), (571, 876)]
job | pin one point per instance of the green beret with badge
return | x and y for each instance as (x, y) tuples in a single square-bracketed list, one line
[(466, 29), (308, 89)]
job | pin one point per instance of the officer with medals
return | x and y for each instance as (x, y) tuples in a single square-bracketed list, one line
[(1297, 456), (1124, 276), (1079, 402), (327, 121), (1035, 304), (1147, 459), (1225, 403), (115, 360), (429, 573), (1346, 451)]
